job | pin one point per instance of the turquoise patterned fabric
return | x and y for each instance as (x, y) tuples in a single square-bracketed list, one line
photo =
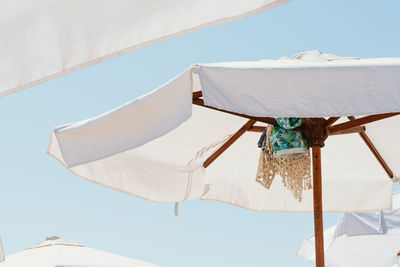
[(287, 142), (289, 123)]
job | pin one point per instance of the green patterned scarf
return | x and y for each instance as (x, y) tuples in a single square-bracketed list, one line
[(287, 142)]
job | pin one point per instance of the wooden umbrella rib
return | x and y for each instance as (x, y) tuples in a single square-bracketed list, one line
[(258, 129), (197, 94), (269, 120), (355, 129), (360, 121), (228, 143), (330, 121), (374, 150), (376, 154)]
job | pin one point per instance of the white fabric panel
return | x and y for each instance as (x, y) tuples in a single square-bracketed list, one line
[(170, 169), (131, 125), (348, 167), (307, 248), (139, 148), (303, 87), (360, 239), (363, 251), (1, 251), (380, 222), (44, 39), (55, 254)]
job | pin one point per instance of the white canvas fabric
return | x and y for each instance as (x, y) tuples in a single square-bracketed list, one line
[(137, 122), (44, 39), (1, 251), (169, 167), (57, 252), (360, 239), (310, 84)]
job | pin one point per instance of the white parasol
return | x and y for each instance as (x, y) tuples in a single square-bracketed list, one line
[(59, 252), (181, 141)]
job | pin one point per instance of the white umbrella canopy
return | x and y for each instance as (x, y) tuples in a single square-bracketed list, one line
[(161, 148), (59, 252), (43, 39), (360, 239), (154, 147)]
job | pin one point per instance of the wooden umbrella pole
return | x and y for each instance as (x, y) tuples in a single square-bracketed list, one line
[(316, 139), (318, 213)]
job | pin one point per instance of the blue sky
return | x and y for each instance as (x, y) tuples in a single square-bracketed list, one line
[(39, 197)]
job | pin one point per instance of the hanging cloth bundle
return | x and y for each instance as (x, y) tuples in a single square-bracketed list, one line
[(284, 152)]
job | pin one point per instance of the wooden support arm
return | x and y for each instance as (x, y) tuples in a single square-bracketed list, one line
[(374, 151), (356, 129), (228, 143), (269, 120), (360, 121), (330, 121), (258, 129), (197, 94)]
